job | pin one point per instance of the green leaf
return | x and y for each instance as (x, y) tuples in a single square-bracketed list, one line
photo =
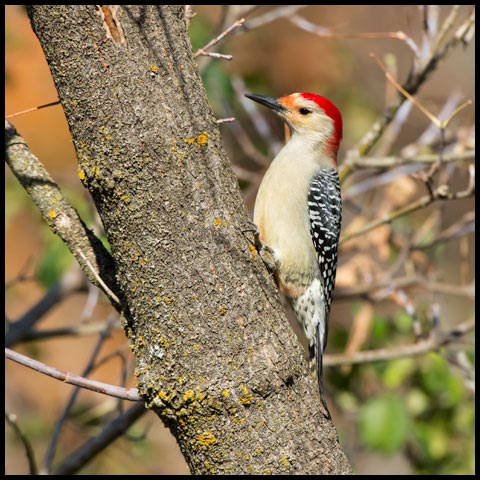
[(417, 402), (432, 439), (380, 328), (398, 371), (439, 381), (383, 423)]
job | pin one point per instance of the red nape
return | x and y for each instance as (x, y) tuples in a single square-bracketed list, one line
[(332, 111)]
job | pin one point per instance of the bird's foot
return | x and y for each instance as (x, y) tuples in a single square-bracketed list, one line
[(267, 253)]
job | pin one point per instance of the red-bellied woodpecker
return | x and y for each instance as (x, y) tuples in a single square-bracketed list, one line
[(298, 212)]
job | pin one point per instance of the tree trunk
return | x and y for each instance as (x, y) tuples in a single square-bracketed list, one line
[(216, 357)]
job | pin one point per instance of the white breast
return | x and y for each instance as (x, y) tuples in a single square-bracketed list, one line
[(281, 210)]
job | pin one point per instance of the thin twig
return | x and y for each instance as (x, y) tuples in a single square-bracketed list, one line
[(440, 193), (201, 52), (72, 379), (225, 120), (446, 28), (214, 41), (284, 11), (417, 76), (394, 161), (323, 32), (243, 139), (12, 421), (72, 281), (432, 343), (33, 109), (99, 279), (52, 445), (79, 330), (464, 226), (382, 289), (256, 117), (115, 429), (22, 275)]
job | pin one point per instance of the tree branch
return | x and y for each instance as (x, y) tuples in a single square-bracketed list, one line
[(57, 211), (433, 342), (52, 446), (116, 428), (392, 161), (389, 284), (418, 75), (72, 379), (12, 421), (72, 281), (440, 193)]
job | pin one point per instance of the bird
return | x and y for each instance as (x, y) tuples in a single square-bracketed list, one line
[(298, 214)]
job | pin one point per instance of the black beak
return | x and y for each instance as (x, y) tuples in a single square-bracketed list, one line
[(269, 102)]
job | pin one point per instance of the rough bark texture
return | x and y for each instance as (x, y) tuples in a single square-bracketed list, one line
[(216, 357)]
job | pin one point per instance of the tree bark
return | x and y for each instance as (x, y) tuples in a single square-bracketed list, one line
[(216, 357)]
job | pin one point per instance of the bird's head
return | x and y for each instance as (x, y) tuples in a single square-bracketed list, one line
[(313, 117)]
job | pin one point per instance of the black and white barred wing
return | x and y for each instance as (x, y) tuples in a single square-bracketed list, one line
[(325, 211)]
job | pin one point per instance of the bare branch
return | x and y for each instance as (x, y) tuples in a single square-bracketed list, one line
[(12, 421), (446, 28), (256, 117), (382, 289), (283, 11), (33, 109), (116, 428), (463, 227), (225, 120), (201, 52), (432, 343), (441, 193), (102, 284), (393, 161), (50, 455), (72, 281), (211, 43), (323, 32), (56, 210), (74, 331), (416, 78), (72, 379)]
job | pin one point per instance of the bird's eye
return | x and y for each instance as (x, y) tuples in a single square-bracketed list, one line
[(304, 111)]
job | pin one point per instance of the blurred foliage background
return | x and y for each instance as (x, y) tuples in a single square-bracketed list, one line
[(409, 415)]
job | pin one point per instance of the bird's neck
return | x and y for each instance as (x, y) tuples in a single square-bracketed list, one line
[(313, 148)]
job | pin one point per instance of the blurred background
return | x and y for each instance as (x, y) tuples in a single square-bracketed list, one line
[(410, 415)]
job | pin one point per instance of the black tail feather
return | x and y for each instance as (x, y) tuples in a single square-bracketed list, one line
[(319, 364)]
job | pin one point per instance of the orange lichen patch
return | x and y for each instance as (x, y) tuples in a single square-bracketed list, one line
[(153, 68), (202, 139), (189, 396), (190, 141), (52, 214), (206, 439), (218, 222), (81, 175), (247, 397), (253, 251)]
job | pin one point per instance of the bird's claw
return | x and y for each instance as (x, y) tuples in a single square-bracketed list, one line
[(270, 259)]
